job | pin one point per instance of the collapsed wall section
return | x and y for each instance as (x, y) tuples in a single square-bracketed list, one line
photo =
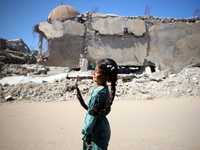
[(175, 45), (65, 43)]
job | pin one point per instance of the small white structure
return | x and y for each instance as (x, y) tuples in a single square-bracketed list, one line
[(83, 63), (148, 70)]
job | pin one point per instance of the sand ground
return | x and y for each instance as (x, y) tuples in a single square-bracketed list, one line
[(161, 124)]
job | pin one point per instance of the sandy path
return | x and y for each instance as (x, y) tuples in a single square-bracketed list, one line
[(172, 124)]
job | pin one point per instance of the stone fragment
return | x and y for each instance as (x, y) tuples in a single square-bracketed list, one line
[(42, 71), (157, 76), (148, 70), (147, 97), (9, 98), (31, 69)]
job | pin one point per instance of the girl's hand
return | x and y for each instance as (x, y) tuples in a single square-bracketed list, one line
[(77, 81), (88, 143)]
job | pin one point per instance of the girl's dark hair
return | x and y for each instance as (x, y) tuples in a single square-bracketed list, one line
[(109, 68)]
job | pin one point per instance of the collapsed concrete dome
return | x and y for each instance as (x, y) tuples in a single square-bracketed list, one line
[(62, 12)]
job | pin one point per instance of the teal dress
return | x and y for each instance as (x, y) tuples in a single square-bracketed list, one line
[(96, 128)]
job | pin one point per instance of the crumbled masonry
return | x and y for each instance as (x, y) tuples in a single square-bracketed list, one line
[(129, 87)]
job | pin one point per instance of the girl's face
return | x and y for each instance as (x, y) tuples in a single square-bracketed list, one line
[(99, 77)]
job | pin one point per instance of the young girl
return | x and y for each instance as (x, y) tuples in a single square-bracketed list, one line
[(96, 128)]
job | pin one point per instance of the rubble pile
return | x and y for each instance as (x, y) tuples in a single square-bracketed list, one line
[(15, 52), (167, 20), (132, 87), (185, 83), (57, 91), (23, 69)]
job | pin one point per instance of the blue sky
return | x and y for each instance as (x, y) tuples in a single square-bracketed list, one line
[(19, 16)]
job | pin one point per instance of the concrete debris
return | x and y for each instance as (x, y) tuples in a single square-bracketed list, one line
[(139, 87), (157, 76), (15, 52), (26, 69), (9, 98)]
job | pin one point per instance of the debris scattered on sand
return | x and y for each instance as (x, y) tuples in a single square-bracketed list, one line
[(60, 87)]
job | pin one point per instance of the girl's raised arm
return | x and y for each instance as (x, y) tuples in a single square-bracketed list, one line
[(78, 94)]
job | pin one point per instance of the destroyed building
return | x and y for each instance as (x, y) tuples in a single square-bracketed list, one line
[(143, 42), (15, 52)]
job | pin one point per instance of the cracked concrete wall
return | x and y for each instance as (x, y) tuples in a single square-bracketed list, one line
[(117, 37), (167, 44), (126, 49), (175, 45), (134, 41), (65, 51)]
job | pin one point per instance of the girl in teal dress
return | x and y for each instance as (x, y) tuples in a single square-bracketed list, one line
[(96, 128)]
